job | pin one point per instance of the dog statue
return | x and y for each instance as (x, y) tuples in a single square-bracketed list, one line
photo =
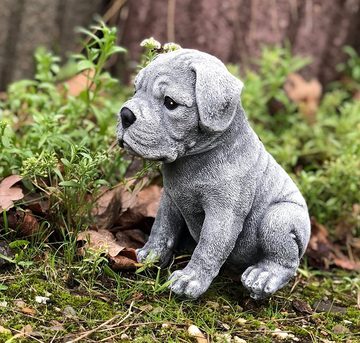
[(239, 205)]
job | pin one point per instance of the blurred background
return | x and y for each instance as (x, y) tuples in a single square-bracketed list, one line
[(233, 30)]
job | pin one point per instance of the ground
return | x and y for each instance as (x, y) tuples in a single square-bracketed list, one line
[(315, 307)]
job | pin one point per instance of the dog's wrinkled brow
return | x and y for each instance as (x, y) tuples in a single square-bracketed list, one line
[(165, 85), (139, 79)]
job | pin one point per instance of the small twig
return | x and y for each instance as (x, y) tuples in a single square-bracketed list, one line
[(52, 340), (24, 334), (88, 333), (115, 8), (126, 327), (297, 280), (171, 20), (291, 319)]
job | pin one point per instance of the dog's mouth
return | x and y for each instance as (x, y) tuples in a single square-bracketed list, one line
[(123, 144), (133, 149)]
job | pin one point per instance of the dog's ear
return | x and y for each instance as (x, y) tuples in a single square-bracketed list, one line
[(217, 94)]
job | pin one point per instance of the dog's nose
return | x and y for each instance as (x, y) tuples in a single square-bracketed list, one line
[(127, 117)]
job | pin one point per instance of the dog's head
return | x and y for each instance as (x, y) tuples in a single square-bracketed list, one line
[(184, 100)]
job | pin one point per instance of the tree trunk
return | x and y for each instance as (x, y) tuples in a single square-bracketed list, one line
[(24, 25), (236, 30), (233, 30)]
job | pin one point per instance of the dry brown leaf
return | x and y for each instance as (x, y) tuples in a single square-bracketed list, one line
[(107, 207), (28, 310), (138, 205), (133, 238), (27, 330), (79, 82), (5, 251), (101, 240), (30, 224), (328, 306), (195, 332), (347, 223), (125, 260), (322, 253), (8, 193), (306, 94), (120, 257), (37, 203), (3, 96), (302, 306), (148, 201), (24, 221)]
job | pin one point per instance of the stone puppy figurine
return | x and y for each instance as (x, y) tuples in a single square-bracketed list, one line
[(239, 205)]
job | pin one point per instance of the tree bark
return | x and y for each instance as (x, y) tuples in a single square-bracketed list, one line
[(233, 30), (236, 30), (26, 24)]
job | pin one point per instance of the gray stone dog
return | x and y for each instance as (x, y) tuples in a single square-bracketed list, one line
[(239, 205)]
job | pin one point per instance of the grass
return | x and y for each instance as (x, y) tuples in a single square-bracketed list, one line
[(145, 314), (63, 146)]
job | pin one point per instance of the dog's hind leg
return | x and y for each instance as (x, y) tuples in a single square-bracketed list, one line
[(283, 236)]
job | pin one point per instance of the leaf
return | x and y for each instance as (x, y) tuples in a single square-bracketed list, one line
[(133, 238), (69, 183), (322, 253), (28, 310), (139, 205), (107, 207), (302, 306), (195, 332), (24, 221), (3, 287), (120, 257), (85, 64), (101, 240), (26, 331), (306, 94), (8, 193), (80, 82)]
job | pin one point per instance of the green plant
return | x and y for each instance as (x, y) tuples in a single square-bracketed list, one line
[(61, 142), (153, 48), (266, 85), (99, 47), (351, 68)]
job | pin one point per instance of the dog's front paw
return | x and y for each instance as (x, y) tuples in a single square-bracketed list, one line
[(189, 283), (155, 253)]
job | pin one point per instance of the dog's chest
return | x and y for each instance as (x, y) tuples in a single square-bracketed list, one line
[(188, 198)]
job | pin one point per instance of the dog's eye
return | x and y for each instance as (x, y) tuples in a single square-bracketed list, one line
[(170, 104)]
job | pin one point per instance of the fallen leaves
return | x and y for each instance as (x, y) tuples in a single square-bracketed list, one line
[(328, 307), (24, 221), (195, 332), (126, 207), (138, 206), (120, 216), (107, 207), (283, 335), (24, 308), (306, 94), (5, 253), (120, 257), (302, 306), (9, 193), (323, 253)]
